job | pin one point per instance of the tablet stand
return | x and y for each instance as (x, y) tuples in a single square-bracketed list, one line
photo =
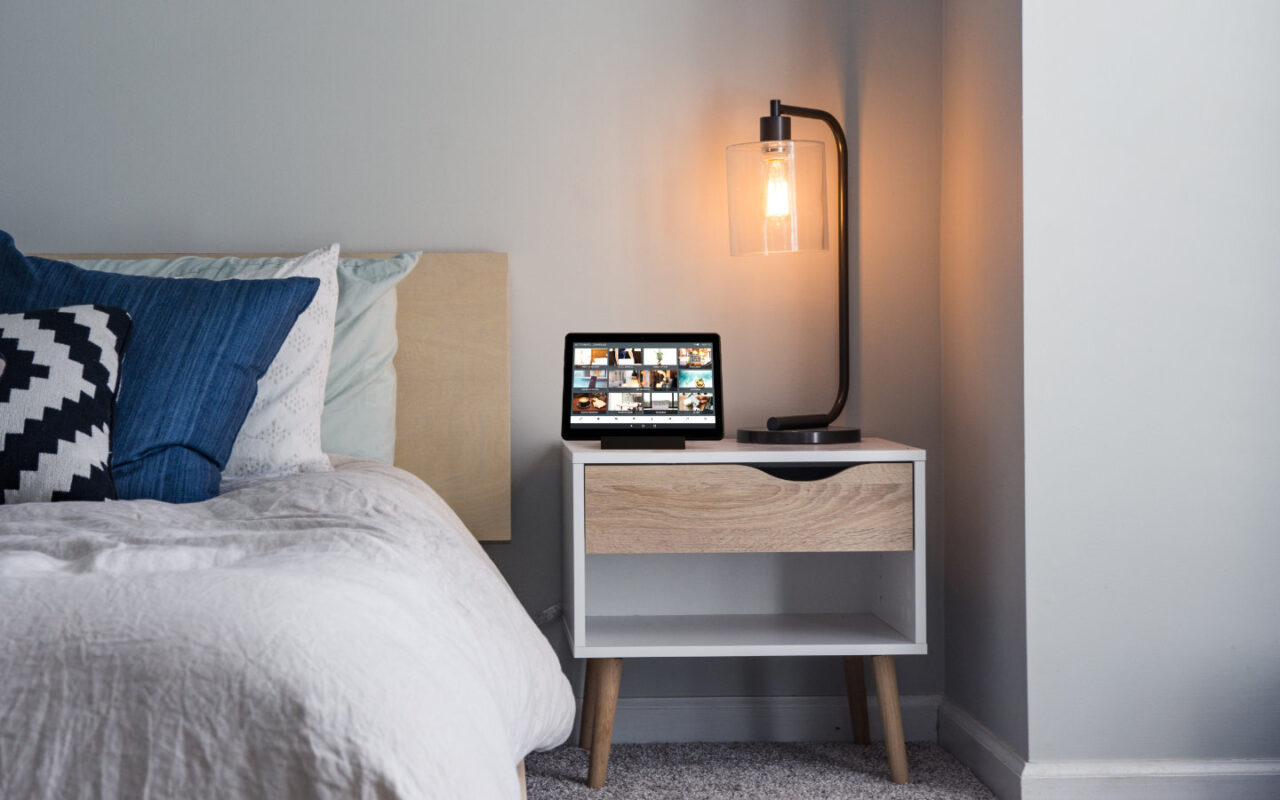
[(642, 442)]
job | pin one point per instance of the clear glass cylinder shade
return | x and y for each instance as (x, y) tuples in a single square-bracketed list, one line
[(777, 197)]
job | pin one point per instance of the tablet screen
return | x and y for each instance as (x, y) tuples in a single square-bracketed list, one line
[(637, 384)]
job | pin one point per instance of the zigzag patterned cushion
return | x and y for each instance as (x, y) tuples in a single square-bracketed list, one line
[(59, 371)]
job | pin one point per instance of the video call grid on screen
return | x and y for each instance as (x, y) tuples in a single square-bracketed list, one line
[(647, 383)]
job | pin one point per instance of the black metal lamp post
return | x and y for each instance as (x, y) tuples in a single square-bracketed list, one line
[(777, 204)]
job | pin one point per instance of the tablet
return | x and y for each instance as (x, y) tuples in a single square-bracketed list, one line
[(642, 384)]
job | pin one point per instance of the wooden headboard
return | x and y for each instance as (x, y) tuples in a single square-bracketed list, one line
[(453, 409), (453, 405)]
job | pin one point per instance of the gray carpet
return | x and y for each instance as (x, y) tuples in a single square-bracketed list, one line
[(773, 770)]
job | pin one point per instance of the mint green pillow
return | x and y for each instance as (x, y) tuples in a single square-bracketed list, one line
[(360, 395)]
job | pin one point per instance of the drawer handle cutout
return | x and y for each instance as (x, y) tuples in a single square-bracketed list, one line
[(805, 473)]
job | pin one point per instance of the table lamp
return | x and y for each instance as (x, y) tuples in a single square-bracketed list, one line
[(778, 204)]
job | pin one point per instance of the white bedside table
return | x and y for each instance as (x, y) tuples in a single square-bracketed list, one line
[(728, 549)]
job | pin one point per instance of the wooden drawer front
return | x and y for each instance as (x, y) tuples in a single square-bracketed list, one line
[(731, 508)]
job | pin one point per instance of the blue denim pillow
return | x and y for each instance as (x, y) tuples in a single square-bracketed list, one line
[(360, 396), (191, 372)]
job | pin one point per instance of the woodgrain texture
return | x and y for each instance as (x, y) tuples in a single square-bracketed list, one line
[(609, 676), (855, 682), (590, 693), (733, 508), (453, 408), (891, 716)]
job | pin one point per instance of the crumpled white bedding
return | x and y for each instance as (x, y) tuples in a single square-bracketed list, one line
[(322, 635)]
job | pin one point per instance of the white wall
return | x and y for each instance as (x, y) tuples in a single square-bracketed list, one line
[(584, 139), (1152, 347), (982, 403)]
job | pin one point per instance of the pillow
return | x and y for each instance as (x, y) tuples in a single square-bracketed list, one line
[(360, 398), (59, 370), (197, 350), (360, 401), (281, 435)]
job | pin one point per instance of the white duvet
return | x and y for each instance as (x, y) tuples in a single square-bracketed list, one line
[(324, 635)]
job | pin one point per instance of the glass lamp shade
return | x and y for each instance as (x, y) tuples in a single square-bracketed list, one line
[(777, 197)]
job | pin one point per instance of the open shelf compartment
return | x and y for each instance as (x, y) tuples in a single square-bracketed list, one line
[(751, 604)]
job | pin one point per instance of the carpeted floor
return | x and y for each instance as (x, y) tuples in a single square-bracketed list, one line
[(764, 770)]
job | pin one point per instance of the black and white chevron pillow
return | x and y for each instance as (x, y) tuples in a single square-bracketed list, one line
[(59, 371)]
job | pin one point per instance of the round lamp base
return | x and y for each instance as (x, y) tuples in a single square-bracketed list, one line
[(832, 434)]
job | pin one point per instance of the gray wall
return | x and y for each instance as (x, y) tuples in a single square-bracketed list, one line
[(1152, 347), (895, 107), (982, 369), (584, 139)]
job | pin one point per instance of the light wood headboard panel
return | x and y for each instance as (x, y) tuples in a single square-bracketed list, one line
[(453, 408)]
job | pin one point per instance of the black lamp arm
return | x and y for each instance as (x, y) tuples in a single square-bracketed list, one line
[(776, 108)]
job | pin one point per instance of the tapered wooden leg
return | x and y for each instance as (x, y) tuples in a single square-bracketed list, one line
[(607, 679), (589, 685), (524, 784), (891, 716), (855, 684)]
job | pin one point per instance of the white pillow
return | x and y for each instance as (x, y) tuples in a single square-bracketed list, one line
[(281, 435)]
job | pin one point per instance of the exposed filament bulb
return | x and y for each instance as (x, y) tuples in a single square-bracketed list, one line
[(777, 199)]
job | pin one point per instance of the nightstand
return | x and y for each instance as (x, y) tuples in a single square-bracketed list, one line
[(728, 549)]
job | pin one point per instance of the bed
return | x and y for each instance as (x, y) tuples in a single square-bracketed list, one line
[(319, 634)]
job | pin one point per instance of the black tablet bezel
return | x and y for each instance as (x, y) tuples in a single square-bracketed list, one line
[(700, 432)]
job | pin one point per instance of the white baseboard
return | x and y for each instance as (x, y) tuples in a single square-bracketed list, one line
[(1010, 777), (1238, 779), (987, 755), (760, 719)]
